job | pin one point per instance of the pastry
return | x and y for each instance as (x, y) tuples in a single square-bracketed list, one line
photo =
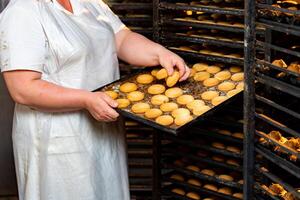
[(233, 149), (140, 108), (178, 191), (179, 163), (192, 72), (211, 82), (233, 92), (154, 72), (112, 94), (218, 100), (279, 63), (238, 135), (224, 132), (232, 162), (177, 177), (153, 113), (218, 145), (210, 187), (235, 69), (208, 172), (240, 86), (128, 87), (194, 104), (209, 95), (200, 110), (201, 76), (200, 67), (194, 182), (161, 74), (173, 92), (238, 195), (144, 79), (165, 120), (173, 79), (225, 190), (159, 99), (218, 158), (123, 103), (182, 119), (185, 48), (241, 181), (226, 86), (209, 198), (156, 89), (184, 99), (238, 76), (135, 96), (180, 112), (223, 75), (168, 107), (193, 195), (193, 168), (213, 69), (226, 177)]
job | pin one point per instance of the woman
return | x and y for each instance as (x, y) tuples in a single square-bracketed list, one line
[(68, 141)]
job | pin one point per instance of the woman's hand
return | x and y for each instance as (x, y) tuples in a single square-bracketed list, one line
[(101, 107)]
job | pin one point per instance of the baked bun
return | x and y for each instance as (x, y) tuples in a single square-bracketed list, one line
[(112, 94), (165, 120), (208, 172), (200, 110), (209, 95), (173, 92), (182, 119), (224, 132), (193, 168), (240, 86), (153, 113), (159, 99), (223, 75), (213, 69), (135, 96), (226, 86), (184, 99), (201, 76), (209, 198), (154, 72), (241, 181), (194, 104), (140, 108), (194, 182), (200, 67), (161, 74), (192, 72), (210, 187), (193, 195), (156, 89), (218, 145), (173, 79), (168, 107), (238, 76), (232, 162), (233, 92), (226, 177), (178, 191), (128, 87), (145, 79), (238, 195), (238, 135), (177, 177), (218, 100), (235, 69), (233, 149), (123, 103), (218, 158), (211, 82), (180, 112), (225, 190)]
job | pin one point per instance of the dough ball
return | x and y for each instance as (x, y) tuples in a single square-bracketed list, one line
[(218, 145), (226, 177), (238, 135), (135, 96), (238, 195), (213, 69), (140, 108), (144, 79), (123, 103), (232, 162), (180, 112), (210, 187), (226, 86), (184, 99), (223, 75), (173, 92), (161, 74), (193, 168), (238, 76), (200, 110), (193, 195), (173, 79), (233, 149), (208, 172), (112, 94), (182, 119), (177, 177), (200, 67), (235, 69), (233, 92), (156, 89), (218, 100), (178, 191), (201, 76), (194, 104), (211, 82), (194, 182), (165, 120), (154, 72), (209, 95), (240, 86), (128, 87), (153, 113), (159, 99), (168, 107), (225, 190)]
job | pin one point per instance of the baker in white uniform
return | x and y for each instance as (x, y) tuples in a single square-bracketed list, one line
[(68, 142)]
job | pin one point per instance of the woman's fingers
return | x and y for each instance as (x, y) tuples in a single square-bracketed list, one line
[(109, 101), (168, 65), (186, 74)]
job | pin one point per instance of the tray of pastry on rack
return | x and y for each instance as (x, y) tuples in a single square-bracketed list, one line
[(161, 101)]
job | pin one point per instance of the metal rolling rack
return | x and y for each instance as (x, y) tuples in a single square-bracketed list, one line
[(271, 101)]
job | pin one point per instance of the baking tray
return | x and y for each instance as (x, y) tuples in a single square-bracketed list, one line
[(189, 87)]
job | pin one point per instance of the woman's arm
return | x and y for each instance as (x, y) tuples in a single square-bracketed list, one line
[(138, 50), (27, 88)]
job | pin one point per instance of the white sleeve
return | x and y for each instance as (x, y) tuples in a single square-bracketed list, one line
[(22, 41)]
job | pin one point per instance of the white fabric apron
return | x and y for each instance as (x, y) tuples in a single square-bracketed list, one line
[(70, 156)]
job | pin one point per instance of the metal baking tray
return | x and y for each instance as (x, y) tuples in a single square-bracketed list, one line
[(189, 87)]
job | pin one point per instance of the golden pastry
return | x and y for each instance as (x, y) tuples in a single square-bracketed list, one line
[(209, 198), (232, 162), (135, 96), (200, 110), (200, 67), (213, 69), (154, 72), (238, 195), (223, 75), (161, 74), (218, 145), (241, 181), (279, 63), (123, 103), (240, 86), (128, 87), (144, 79), (211, 82), (224, 132), (218, 100), (194, 104), (208, 172), (233, 149), (168, 107), (231, 93), (184, 99), (209, 95), (112, 94), (173, 79), (140, 108), (193, 195), (178, 191), (201, 76), (173, 92), (182, 119), (225, 190), (159, 99), (153, 113), (180, 112), (235, 69), (238, 76), (226, 177), (156, 89), (226, 86), (238, 135), (193, 168), (165, 120), (218, 158), (210, 187), (177, 177), (194, 182)]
